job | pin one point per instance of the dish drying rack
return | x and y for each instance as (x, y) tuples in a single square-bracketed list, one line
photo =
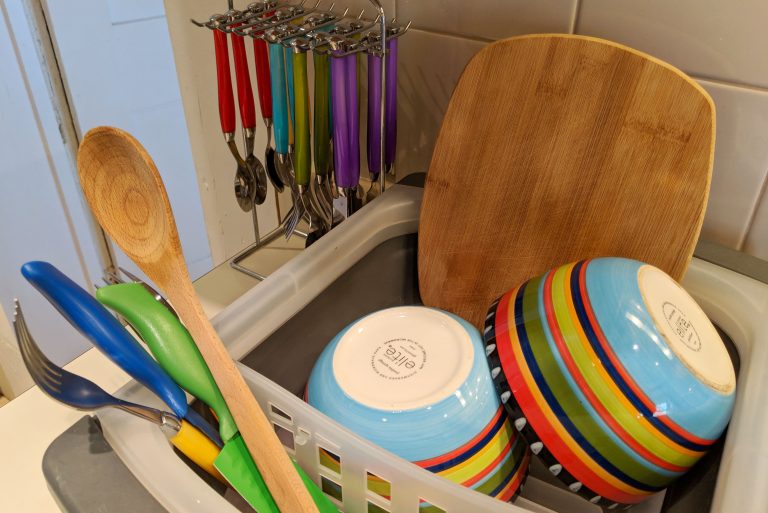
[(278, 329), (320, 30)]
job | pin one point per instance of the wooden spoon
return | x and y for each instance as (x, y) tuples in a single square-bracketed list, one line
[(557, 148), (127, 196)]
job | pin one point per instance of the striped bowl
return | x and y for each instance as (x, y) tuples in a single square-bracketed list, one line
[(613, 374), (415, 381)]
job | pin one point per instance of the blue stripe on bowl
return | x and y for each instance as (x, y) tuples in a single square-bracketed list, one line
[(552, 402), (472, 450), (582, 398), (615, 376)]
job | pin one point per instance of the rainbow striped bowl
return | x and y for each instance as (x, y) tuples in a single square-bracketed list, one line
[(614, 375), (415, 381)]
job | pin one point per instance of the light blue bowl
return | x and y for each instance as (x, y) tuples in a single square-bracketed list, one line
[(415, 381)]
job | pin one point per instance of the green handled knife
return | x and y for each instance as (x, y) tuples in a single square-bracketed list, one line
[(175, 350)]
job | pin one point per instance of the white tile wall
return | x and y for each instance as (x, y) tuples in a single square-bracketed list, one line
[(121, 11), (757, 239), (489, 19), (722, 44), (707, 38), (427, 73), (741, 161)]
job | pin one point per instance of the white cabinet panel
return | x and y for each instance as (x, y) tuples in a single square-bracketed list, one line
[(124, 75), (40, 215), (129, 11)]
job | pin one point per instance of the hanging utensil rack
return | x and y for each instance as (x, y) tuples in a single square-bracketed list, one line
[(296, 25)]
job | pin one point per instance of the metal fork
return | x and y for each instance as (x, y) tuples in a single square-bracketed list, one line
[(114, 277), (74, 390)]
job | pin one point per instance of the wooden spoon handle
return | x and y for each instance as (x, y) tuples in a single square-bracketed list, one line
[(283, 482)]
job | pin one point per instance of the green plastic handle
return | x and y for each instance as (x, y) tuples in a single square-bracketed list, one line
[(236, 465), (322, 114), (302, 155), (175, 350), (171, 344), (323, 503)]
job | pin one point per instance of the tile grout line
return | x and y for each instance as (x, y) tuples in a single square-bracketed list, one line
[(739, 85), (572, 30), (479, 39), (575, 16), (444, 33), (763, 195)]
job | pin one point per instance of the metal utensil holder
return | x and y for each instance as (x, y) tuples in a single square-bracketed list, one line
[(284, 22)]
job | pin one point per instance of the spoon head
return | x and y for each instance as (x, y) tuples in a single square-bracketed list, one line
[(274, 176), (260, 179), (245, 184), (127, 196)]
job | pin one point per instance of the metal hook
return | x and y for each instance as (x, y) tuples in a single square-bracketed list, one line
[(345, 31), (213, 22), (254, 10), (252, 29), (378, 6)]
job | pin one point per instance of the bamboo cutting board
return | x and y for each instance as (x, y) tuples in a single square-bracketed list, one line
[(557, 148)]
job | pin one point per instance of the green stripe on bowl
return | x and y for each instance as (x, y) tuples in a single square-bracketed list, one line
[(630, 420), (581, 418)]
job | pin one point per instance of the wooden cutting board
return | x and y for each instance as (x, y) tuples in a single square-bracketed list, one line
[(557, 148)]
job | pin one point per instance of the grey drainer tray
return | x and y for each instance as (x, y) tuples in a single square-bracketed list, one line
[(84, 474)]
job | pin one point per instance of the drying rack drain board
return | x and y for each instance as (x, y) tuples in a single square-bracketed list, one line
[(299, 324)]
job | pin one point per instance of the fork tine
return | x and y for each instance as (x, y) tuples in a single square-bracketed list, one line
[(33, 348), (135, 279), (294, 222), (129, 274), (294, 218), (292, 227), (288, 228), (45, 373), (74, 390)]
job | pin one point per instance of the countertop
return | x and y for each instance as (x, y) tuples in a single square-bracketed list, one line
[(29, 423)]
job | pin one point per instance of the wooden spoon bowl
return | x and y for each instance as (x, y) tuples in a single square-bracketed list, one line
[(121, 197)]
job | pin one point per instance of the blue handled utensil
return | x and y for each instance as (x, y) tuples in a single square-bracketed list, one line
[(95, 322), (83, 394)]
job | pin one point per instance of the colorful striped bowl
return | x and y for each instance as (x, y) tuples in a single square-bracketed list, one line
[(614, 375), (415, 381)]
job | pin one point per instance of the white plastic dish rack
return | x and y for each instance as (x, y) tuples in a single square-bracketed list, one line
[(736, 303)]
